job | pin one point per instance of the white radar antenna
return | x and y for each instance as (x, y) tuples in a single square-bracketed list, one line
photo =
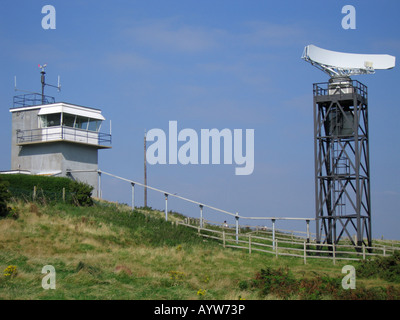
[(339, 64)]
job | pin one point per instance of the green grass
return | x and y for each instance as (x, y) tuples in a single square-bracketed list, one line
[(109, 252)]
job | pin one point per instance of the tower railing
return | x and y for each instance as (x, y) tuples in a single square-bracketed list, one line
[(64, 133), (31, 99), (340, 88)]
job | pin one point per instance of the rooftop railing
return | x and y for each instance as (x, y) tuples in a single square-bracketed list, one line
[(340, 88), (31, 99)]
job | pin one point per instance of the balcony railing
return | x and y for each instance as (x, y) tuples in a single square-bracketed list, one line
[(63, 133)]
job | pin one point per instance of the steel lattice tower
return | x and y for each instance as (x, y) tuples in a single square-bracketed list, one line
[(342, 167)]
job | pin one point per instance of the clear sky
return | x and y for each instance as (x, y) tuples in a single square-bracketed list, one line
[(209, 64)]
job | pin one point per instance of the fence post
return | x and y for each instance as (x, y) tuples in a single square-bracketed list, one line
[(249, 243), (34, 193), (363, 251), (305, 252), (237, 227), (201, 216), (223, 238), (99, 184), (166, 206), (63, 194), (334, 252), (276, 247), (308, 230), (133, 196), (273, 234)]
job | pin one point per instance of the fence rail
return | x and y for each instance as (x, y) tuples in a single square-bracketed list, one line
[(300, 245), (283, 245)]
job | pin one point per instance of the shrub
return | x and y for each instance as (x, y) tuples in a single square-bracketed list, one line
[(10, 271), (201, 292), (48, 189), (279, 282), (283, 285), (4, 198), (387, 268), (82, 193)]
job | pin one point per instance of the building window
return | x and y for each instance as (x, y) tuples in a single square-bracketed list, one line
[(81, 123), (94, 125), (50, 120), (68, 120)]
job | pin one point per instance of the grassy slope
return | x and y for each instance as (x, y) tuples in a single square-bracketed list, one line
[(108, 252)]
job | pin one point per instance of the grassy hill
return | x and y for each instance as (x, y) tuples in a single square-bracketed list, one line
[(106, 251)]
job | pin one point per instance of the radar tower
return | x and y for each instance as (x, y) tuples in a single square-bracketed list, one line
[(341, 145)]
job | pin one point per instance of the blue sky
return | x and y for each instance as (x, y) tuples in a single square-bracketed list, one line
[(209, 64)]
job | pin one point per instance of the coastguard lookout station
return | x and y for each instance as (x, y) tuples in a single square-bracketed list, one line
[(56, 138)]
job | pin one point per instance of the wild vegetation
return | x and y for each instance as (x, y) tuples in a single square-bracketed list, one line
[(107, 251), (46, 189)]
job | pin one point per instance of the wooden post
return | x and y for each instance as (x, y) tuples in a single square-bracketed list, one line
[(63, 194), (334, 253), (276, 247), (305, 252), (249, 243), (363, 251), (223, 238), (34, 193)]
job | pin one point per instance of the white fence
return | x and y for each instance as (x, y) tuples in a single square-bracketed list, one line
[(201, 205), (284, 244), (278, 242)]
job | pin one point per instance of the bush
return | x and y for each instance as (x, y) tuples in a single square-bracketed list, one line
[(81, 193), (10, 271), (387, 268), (283, 285), (279, 282), (21, 186), (4, 198)]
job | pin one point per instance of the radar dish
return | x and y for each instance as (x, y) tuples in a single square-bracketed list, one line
[(338, 64)]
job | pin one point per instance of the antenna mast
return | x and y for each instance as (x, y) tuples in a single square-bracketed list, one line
[(43, 81)]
